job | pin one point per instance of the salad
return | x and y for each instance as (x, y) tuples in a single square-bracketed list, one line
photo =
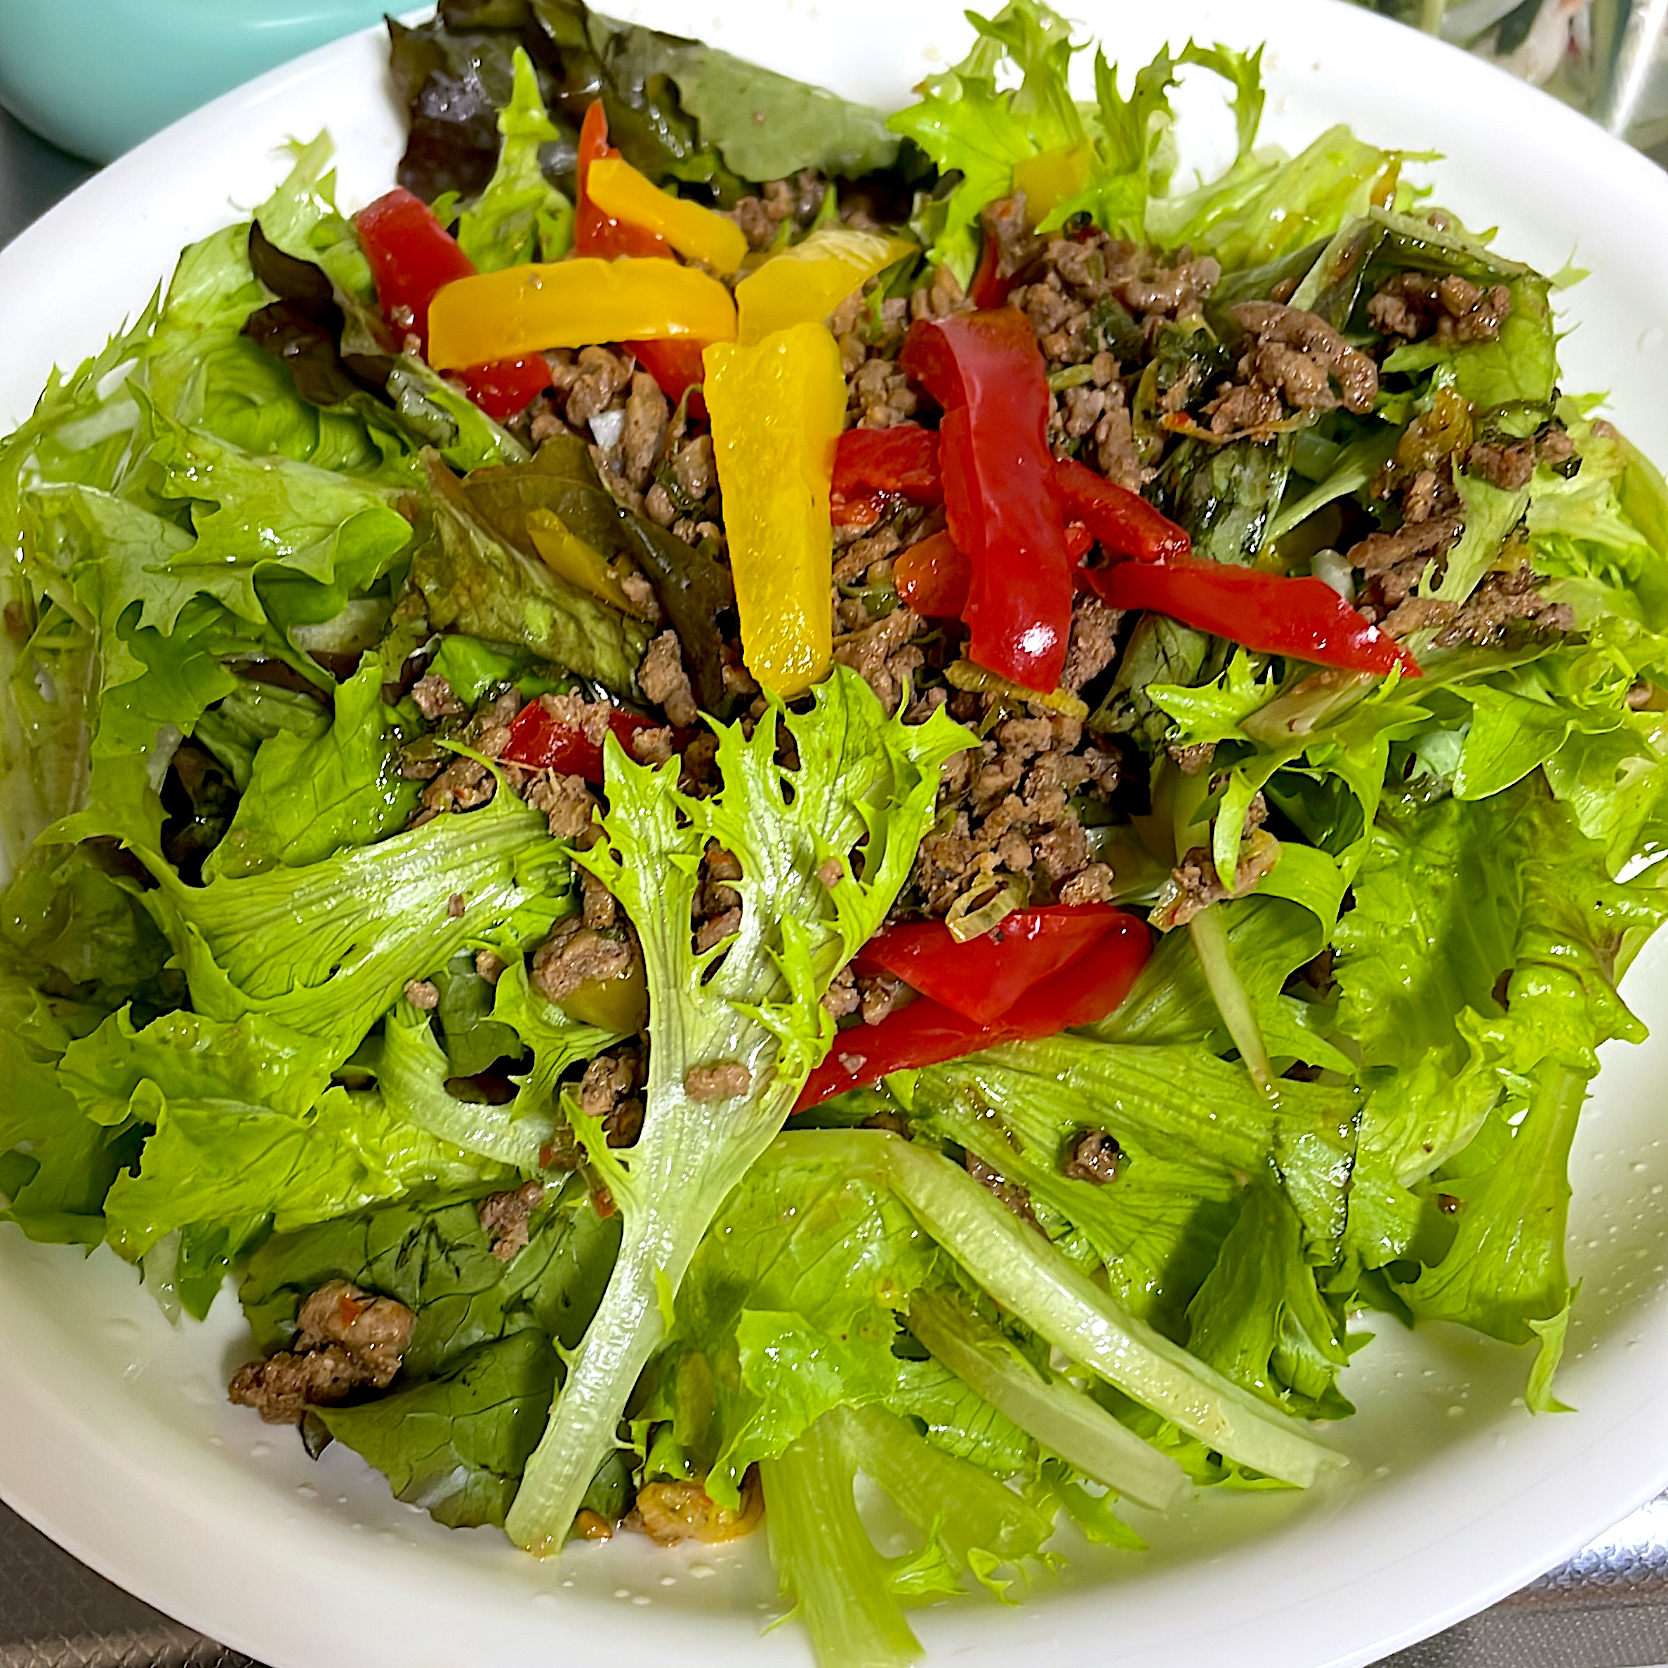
[(738, 794)]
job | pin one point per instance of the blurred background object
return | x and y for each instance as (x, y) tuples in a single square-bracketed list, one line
[(97, 76), (1608, 58)]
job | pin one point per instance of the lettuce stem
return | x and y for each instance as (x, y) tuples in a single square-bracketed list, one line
[(825, 1559), (1061, 1418), (1210, 940)]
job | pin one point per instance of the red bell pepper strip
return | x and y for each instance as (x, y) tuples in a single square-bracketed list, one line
[(542, 742), (902, 459), (989, 288), (1000, 499), (595, 233), (982, 978), (1304, 618), (926, 1033), (1121, 520), (675, 365), (932, 577), (412, 256)]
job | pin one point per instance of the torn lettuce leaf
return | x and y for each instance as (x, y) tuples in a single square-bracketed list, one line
[(863, 794)]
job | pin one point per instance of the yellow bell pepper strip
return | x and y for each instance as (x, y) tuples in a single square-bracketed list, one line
[(809, 279), (574, 303), (618, 1004), (1049, 179), (777, 408), (698, 233), (581, 564)]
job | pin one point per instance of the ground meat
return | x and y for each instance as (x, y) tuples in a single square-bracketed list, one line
[(1502, 600), (879, 994), (670, 1512), (1393, 563), (1004, 224), (1010, 1193), (645, 425), (1194, 882), (505, 1216), (435, 699), (1148, 285), (1416, 614), (664, 681), (695, 468), (1006, 809), (882, 654), (652, 747), (346, 1339), (941, 298), (489, 965), (715, 929), (592, 383), (1193, 758), (1453, 309), (1295, 360), (728, 1080), (1093, 1157), (1091, 884), (1094, 642), (567, 802), (420, 993), (1512, 464), (880, 396), (841, 999), (597, 906), (463, 784), (609, 1091), (574, 953)]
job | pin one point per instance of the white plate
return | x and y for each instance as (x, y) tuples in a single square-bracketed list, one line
[(115, 1437)]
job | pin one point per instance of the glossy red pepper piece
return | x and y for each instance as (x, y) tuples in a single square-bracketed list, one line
[(989, 288), (1121, 520), (1000, 498), (411, 256), (984, 977), (676, 365), (926, 1033), (902, 459), (540, 741), (932, 577), (1304, 618)]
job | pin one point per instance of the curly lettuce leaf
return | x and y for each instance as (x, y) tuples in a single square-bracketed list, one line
[(520, 216), (326, 948), (823, 850)]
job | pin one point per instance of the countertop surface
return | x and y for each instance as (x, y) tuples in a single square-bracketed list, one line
[(1607, 1608)]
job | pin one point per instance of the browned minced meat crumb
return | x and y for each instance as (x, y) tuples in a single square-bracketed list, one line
[(1295, 361), (435, 699), (1005, 224), (1194, 882), (463, 784), (941, 297), (1192, 758), (761, 218), (609, 1091), (420, 993), (1010, 1193), (1501, 601), (1007, 806), (346, 1339), (588, 383), (831, 872), (882, 655), (646, 411), (1453, 309), (1512, 464), (489, 965), (504, 1217), (567, 802), (673, 1511), (597, 905), (456, 906), (575, 952), (1093, 644), (728, 1080), (1393, 563), (1093, 1157), (664, 681)]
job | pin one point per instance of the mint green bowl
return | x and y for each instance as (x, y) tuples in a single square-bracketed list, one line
[(97, 76)]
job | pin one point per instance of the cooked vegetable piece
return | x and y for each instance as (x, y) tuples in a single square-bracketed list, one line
[(805, 282), (1301, 617), (618, 190), (574, 303), (413, 257), (999, 493), (777, 408)]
